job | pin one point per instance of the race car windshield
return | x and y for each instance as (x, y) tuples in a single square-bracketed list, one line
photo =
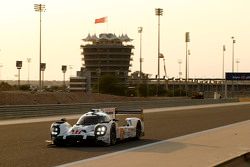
[(92, 120)]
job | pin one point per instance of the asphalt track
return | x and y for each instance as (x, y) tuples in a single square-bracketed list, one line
[(24, 144)]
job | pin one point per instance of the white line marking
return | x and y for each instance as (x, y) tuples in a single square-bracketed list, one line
[(53, 118), (152, 144)]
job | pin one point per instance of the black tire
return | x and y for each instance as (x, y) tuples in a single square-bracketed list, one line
[(112, 135), (57, 143), (138, 131)]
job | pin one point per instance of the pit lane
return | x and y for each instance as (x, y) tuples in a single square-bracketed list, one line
[(24, 144)]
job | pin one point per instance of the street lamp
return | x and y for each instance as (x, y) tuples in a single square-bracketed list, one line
[(158, 12), (40, 8), (140, 32), (18, 66), (64, 69), (223, 60), (187, 40), (28, 60)]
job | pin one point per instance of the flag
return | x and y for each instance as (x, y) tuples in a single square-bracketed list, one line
[(101, 20)]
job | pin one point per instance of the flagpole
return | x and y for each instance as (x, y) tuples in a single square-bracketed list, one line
[(102, 20), (107, 25)]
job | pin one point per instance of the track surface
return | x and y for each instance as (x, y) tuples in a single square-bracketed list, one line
[(24, 144)]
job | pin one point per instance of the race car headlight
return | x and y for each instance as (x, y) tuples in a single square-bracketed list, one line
[(100, 130), (55, 130)]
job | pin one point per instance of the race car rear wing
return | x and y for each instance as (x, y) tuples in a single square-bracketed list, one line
[(114, 111), (131, 111)]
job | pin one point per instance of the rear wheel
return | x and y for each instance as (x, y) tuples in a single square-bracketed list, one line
[(113, 135), (138, 130)]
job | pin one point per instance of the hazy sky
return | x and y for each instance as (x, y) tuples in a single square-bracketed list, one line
[(211, 24)]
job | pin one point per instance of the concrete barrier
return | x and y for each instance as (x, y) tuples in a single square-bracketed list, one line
[(25, 111)]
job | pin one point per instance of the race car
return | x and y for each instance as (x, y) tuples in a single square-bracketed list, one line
[(100, 126)]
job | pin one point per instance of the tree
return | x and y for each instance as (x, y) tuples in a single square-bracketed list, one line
[(110, 84)]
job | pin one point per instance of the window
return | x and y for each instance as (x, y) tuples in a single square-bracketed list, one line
[(92, 120)]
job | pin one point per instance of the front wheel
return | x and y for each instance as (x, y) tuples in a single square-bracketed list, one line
[(58, 143), (112, 135), (138, 130)]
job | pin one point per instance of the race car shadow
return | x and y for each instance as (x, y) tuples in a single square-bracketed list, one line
[(92, 147)]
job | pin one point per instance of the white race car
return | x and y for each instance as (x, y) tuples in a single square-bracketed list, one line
[(99, 126)]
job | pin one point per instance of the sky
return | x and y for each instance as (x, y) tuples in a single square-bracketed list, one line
[(65, 23)]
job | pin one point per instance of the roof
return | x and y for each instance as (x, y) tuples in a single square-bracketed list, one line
[(107, 37)]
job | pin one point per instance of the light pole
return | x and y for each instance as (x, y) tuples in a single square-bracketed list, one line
[(43, 67), (189, 53), (158, 12), (40, 8), (140, 32), (28, 60), (237, 70), (233, 42), (187, 40), (180, 73), (237, 64), (223, 61)]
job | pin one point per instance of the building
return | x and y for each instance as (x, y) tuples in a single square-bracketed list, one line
[(106, 54), (80, 83)]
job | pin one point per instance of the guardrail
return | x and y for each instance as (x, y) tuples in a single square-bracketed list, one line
[(24, 111)]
